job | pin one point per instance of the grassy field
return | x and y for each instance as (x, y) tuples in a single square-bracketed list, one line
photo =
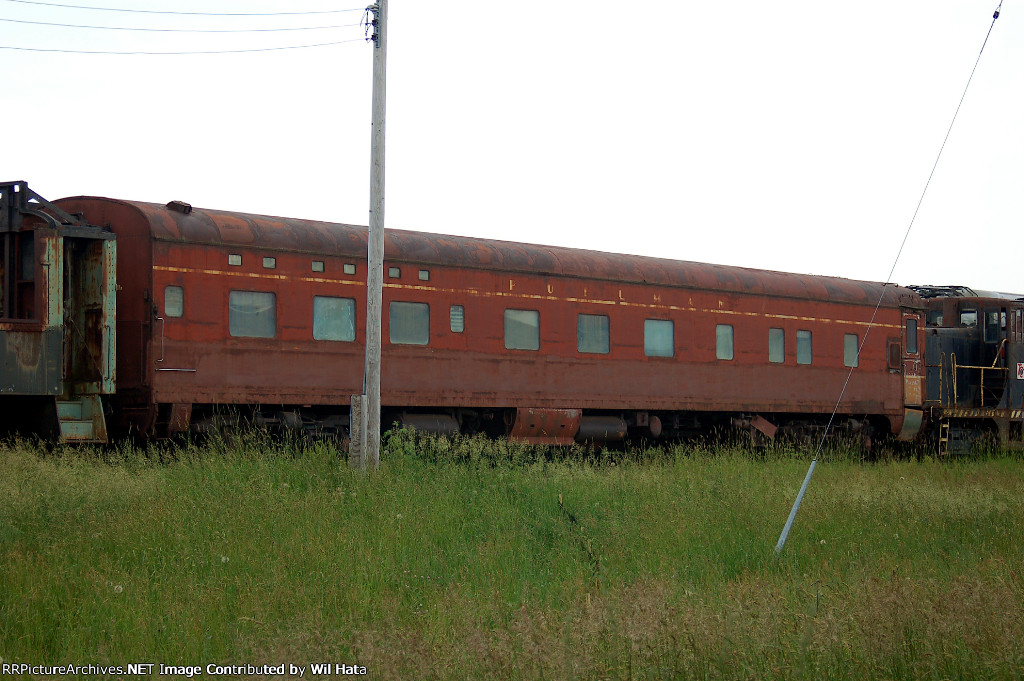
[(476, 559)]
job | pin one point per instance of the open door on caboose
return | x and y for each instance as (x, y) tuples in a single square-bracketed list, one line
[(57, 286)]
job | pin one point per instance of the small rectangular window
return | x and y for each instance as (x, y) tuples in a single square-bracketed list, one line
[(804, 350), (935, 318), (457, 317), (394, 272), (174, 301), (522, 329), (968, 317), (424, 275), (659, 338), (234, 259), (269, 263), (911, 336), (252, 314), (409, 323), (850, 350), (592, 334), (334, 318), (318, 265), (349, 268), (777, 346), (723, 341), (991, 326)]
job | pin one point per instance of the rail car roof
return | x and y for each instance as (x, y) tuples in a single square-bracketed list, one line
[(179, 222)]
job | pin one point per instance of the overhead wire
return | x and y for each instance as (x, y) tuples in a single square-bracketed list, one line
[(182, 52), (66, 50), (810, 471), (201, 14), (178, 30)]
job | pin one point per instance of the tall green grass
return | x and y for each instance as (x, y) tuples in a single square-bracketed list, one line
[(475, 559)]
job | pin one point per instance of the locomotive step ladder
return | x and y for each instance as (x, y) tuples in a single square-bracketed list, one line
[(944, 438)]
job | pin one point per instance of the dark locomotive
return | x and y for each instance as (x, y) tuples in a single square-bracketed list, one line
[(219, 314)]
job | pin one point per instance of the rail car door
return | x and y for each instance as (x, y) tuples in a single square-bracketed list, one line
[(911, 365)]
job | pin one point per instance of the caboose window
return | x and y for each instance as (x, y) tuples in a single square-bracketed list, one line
[(409, 323), (234, 259), (659, 338), (850, 350), (318, 266), (334, 318), (777, 345), (592, 334), (723, 341), (349, 268), (522, 329), (252, 314), (804, 350), (270, 263), (174, 301), (394, 272)]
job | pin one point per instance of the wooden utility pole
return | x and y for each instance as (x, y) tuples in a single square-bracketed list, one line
[(368, 450)]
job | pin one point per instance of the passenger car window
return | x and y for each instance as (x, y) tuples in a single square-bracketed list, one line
[(252, 314), (334, 318), (850, 350), (659, 338), (776, 345), (592, 334), (804, 351), (409, 323), (522, 329), (457, 318), (174, 301), (723, 341), (911, 336)]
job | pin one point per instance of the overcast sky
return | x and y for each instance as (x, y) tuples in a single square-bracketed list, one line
[(790, 135)]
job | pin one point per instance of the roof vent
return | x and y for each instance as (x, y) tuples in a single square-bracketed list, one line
[(180, 206)]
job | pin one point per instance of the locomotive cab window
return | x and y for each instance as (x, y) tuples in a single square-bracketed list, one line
[(968, 317), (409, 323), (659, 338), (776, 346), (522, 330), (252, 314), (334, 319), (592, 334), (850, 350), (804, 348), (724, 341), (174, 301)]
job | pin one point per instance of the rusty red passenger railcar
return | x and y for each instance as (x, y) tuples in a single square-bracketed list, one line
[(265, 314)]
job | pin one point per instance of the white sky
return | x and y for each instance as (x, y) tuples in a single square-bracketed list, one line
[(790, 135)]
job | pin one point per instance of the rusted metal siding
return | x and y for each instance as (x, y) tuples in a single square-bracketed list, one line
[(199, 362)]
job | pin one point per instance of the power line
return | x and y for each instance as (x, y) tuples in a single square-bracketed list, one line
[(139, 52), (810, 471), (201, 14), (179, 30)]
